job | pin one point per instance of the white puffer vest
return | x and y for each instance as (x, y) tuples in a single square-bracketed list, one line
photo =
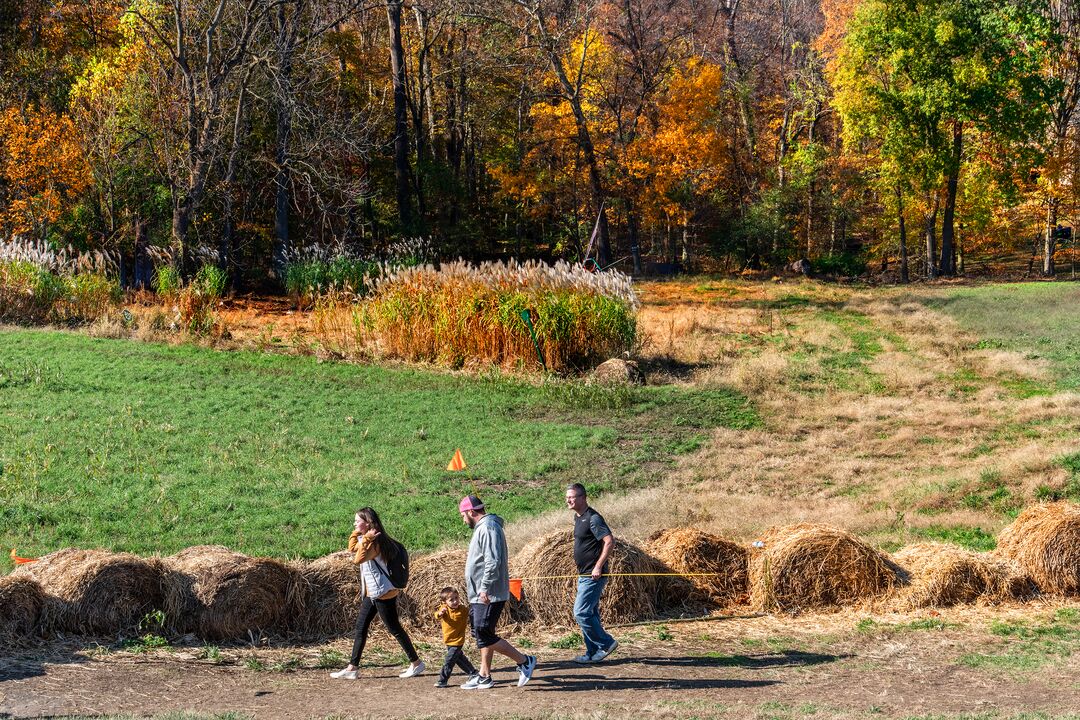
[(374, 580)]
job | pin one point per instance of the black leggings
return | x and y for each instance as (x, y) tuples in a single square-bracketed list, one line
[(387, 610)]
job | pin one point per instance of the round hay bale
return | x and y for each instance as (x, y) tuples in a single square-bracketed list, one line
[(220, 594), (96, 591), (625, 599), (21, 603), (1045, 541), (428, 574), (816, 566), (331, 595), (944, 575), (689, 550)]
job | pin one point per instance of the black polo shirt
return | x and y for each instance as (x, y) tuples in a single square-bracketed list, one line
[(589, 533)]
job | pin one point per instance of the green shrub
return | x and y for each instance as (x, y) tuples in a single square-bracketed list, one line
[(167, 282), (88, 297), (211, 281), (847, 264), (305, 280), (33, 295)]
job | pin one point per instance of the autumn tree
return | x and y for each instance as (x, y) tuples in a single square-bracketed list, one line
[(920, 75), (42, 170)]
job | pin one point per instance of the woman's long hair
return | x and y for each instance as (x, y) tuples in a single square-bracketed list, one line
[(386, 545)]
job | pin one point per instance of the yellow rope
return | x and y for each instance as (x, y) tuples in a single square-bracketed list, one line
[(567, 577)]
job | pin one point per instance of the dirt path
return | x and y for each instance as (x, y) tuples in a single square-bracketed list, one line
[(753, 668)]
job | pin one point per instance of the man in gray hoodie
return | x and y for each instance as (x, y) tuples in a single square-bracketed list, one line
[(487, 584)]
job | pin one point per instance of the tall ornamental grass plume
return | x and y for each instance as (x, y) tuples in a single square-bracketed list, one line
[(316, 271), (462, 312), (41, 285)]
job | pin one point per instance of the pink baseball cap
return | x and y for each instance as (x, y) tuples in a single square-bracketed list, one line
[(470, 502)]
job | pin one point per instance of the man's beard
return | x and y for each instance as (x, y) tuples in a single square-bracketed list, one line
[(471, 522)]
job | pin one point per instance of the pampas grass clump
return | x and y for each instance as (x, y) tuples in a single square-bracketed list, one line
[(460, 312), (810, 566), (1045, 541)]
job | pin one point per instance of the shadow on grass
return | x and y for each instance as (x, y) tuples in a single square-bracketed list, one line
[(24, 663), (785, 302), (676, 369)]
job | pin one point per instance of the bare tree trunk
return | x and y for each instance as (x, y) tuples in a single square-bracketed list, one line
[(401, 118), (571, 93), (930, 231), (948, 223), (632, 229), (903, 236), (1049, 238), (733, 70), (142, 260), (281, 145)]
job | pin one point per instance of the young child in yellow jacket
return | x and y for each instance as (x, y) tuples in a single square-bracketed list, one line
[(454, 616)]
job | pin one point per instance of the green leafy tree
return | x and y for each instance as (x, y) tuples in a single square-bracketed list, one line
[(916, 76)]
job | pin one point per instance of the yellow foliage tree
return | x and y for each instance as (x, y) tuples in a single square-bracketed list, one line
[(683, 156), (675, 155)]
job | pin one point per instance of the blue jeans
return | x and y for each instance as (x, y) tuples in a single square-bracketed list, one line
[(587, 614)]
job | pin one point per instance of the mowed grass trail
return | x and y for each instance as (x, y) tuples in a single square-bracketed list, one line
[(1040, 319), (150, 448)]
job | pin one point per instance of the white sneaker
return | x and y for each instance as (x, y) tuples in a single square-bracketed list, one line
[(345, 674), (583, 659), (412, 670), (525, 669), (478, 683)]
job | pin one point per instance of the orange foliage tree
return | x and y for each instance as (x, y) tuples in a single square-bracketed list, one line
[(42, 169)]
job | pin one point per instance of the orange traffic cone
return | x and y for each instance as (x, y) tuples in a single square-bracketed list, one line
[(457, 462)]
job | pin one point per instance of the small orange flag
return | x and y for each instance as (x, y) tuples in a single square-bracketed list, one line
[(21, 560), (457, 462), (515, 588)]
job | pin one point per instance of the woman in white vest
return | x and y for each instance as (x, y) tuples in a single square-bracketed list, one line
[(375, 550)]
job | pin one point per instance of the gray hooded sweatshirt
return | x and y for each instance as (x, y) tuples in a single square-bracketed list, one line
[(486, 568)]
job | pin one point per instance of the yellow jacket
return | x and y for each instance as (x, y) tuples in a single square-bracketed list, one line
[(366, 550), (453, 623)]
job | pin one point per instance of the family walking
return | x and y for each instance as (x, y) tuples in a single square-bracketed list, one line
[(384, 571)]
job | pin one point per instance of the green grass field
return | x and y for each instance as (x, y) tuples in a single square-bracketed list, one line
[(150, 448), (1039, 319)]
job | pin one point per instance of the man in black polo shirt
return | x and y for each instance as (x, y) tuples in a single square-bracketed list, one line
[(593, 543)]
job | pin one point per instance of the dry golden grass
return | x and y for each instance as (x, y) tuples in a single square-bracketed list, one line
[(95, 591), (331, 595), (220, 594), (21, 603), (692, 551), (885, 464), (550, 602)]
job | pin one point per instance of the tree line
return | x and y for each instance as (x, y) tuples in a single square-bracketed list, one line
[(929, 136)]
